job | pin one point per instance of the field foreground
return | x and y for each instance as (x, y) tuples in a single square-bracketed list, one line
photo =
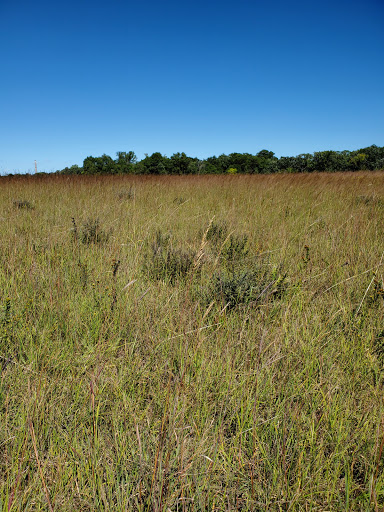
[(192, 343)]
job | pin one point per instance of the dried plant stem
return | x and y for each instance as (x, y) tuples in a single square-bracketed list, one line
[(32, 431)]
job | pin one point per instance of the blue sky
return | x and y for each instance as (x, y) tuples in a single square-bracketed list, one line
[(204, 77)]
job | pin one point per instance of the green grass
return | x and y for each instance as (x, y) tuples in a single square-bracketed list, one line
[(192, 343)]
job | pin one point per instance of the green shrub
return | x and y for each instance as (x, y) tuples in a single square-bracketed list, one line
[(126, 194), (251, 286), (23, 205), (90, 232), (217, 232), (179, 201), (379, 347), (164, 262), (369, 201), (235, 248)]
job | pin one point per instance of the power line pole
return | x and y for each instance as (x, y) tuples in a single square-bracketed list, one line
[(35, 167)]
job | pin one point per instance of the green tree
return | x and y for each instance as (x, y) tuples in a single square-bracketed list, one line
[(325, 161), (243, 162), (154, 164), (98, 165), (125, 162), (179, 163), (74, 169), (264, 153), (266, 161)]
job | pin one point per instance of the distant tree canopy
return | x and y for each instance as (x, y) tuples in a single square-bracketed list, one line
[(263, 162)]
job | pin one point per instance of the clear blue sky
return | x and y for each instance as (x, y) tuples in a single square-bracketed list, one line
[(204, 77)]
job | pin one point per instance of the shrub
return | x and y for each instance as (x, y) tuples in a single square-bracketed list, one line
[(23, 205), (369, 201), (217, 232), (126, 195), (90, 232), (251, 286), (376, 295), (179, 200), (164, 262), (235, 248)]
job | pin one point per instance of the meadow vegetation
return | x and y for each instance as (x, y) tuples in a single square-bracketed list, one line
[(194, 343)]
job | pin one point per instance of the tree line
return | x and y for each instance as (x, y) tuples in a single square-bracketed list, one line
[(263, 162)]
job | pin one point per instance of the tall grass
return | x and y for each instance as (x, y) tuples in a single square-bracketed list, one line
[(125, 387)]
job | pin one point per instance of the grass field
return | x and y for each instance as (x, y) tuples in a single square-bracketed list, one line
[(192, 343)]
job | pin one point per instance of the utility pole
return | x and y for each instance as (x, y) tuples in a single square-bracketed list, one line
[(35, 167)]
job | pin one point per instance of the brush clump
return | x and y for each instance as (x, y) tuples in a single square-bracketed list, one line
[(164, 262)]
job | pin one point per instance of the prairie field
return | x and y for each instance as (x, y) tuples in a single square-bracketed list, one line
[(205, 343)]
